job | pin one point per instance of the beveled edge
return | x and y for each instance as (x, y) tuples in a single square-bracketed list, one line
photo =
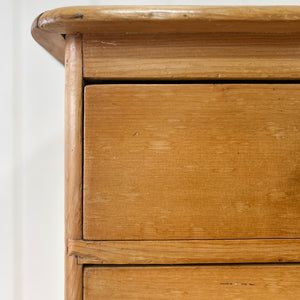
[(54, 43), (49, 28), (64, 19)]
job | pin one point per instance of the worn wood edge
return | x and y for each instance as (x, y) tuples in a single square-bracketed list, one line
[(73, 162), (185, 252), (153, 19), (54, 43), (49, 28)]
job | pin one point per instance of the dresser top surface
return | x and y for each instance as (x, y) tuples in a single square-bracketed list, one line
[(108, 19), (49, 28)]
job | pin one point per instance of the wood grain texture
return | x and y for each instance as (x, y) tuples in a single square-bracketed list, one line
[(149, 19), (191, 161), (73, 163), (49, 27), (186, 252), (261, 282), (192, 56)]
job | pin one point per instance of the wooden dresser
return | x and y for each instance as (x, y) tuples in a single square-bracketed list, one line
[(182, 154)]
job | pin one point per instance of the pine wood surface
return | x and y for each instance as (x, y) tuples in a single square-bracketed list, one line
[(245, 282), (179, 173), (185, 252), (197, 161), (189, 56), (137, 19), (49, 27), (73, 163)]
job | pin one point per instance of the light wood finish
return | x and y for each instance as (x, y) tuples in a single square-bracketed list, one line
[(192, 56), (161, 19), (202, 282), (195, 161), (137, 19), (186, 252), (54, 43), (166, 183), (73, 163)]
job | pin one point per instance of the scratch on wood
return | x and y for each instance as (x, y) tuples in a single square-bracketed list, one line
[(108, 43)]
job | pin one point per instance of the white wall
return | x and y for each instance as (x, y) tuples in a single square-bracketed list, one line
[(31, 127)]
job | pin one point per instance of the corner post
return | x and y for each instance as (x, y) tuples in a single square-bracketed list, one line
[(73, 162)]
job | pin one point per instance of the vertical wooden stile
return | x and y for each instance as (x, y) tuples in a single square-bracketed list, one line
[(73, 162)]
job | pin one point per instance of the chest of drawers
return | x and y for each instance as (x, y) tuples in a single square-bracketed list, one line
[(182, 150)]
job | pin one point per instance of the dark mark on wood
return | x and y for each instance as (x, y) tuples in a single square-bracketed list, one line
[(236, 283), (78, 16)]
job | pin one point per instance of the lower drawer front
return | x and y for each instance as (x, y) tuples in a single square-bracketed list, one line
[(193, 282)]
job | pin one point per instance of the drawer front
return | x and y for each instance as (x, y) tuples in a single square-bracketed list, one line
[(201, 282), (191, 161), (219, 55)]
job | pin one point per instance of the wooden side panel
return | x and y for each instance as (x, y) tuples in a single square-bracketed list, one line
[(73, 163), (192, 56), (186, 252), (186, 283), (191, 161)]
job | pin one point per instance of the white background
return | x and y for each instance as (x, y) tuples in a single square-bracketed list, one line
[(32, 151)]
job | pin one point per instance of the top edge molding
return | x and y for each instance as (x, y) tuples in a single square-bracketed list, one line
[(51, 26)]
